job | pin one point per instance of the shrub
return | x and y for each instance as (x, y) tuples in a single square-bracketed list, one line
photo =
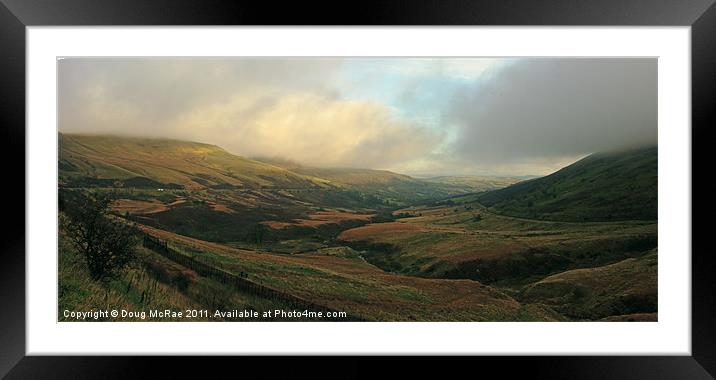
[(106, 243)]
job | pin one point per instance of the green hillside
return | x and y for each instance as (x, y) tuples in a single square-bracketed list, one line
[(619, 185), (86, 160)]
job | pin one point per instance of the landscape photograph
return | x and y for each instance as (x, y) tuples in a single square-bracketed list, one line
[(373, 189)]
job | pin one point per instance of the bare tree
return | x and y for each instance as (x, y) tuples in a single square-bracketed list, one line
[(107, 243)]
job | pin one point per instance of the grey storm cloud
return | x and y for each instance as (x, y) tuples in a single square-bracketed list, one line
[(542, 108)]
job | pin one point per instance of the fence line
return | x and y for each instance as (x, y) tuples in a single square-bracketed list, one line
[(240, 282)]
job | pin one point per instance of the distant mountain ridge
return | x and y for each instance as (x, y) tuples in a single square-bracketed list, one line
[(387, 182), (475, 183), (617, 185)]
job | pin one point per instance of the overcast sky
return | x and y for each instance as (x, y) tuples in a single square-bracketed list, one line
[(417, 116)]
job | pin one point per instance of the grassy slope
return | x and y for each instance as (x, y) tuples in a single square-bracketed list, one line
[(196, 165), (344, 281), (257, 191), (134, 290), (624, 288), (87, 161), (589, 270), (192, 165), (605, 186), (572, 240), (152, 282)]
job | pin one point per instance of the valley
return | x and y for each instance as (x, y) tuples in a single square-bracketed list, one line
[(580, 244)]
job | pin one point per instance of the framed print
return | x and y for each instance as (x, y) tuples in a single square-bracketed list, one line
[(453, 181)]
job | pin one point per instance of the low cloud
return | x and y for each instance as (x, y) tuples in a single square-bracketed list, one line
[(139, 95), (537, 109), (314, 130), (251, 107)]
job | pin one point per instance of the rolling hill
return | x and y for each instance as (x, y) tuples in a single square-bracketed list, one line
[(618, 185), (141, 162), (112, 161), (624, 288), (204, 191)]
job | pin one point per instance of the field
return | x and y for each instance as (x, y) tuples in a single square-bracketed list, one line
[(377, 245)]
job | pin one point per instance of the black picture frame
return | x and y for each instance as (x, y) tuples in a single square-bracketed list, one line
[(16, 15)]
